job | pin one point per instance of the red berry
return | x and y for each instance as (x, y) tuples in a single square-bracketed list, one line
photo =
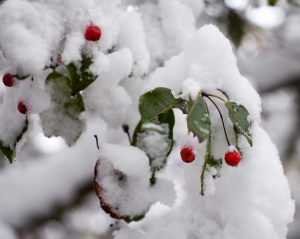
[(22, 108), (233, 158), (187, 155), (92, 33), (8, 80)]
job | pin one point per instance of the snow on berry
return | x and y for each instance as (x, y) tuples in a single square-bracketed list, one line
[(232, 157), (8, 80), (92, 33), (22, 108)]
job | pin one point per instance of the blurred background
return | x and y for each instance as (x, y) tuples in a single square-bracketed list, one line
[(48, 193)]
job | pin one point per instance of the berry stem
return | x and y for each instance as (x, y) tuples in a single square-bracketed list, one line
[(207, 96), (212, 95), (96, 141), (224, 93), (202, 178)]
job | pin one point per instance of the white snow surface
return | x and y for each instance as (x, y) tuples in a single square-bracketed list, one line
[(161, 44), (133, 196), (250, 201)]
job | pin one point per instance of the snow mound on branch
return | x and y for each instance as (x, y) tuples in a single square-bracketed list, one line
[(123, 174), (29, 31), (167, 33), (32, 31), (209, 61), (132, 35), (106, 97), (252, 200)]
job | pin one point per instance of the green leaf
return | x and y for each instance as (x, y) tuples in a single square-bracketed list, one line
[(154, 132), (210, 161), (272, 2), (62, 119), (238, 115), (11, 153), (198, 120), (80, 77), (158, 101)]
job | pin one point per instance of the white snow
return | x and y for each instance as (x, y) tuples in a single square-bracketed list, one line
[(157, 44)]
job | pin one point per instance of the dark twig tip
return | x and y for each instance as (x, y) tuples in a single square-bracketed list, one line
[(96, 141)]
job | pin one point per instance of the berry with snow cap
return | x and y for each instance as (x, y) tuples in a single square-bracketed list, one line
[(8, 80), (187, 155), (232, 156), (22, 108)]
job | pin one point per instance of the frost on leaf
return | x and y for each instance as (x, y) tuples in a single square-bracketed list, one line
[(9, 152), (81, 78), (156, 139), (62, 119), (154, 133), (121, 182), (155, 142)]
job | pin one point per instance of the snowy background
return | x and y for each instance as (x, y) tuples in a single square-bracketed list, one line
[(47, 193)]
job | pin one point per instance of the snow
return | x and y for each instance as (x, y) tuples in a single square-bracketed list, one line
[(155, 142), (112, 104), (12, 121), (157, 44), (131, 25), (136, 160), (49, 180), (266, 17), (231, 148), (190, 88), (122, 174)]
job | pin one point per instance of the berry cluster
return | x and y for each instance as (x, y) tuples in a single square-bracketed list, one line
[(92, 33), (232, 156)]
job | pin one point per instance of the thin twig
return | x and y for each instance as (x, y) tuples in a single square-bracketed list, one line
[(96, 141), (207, 96)]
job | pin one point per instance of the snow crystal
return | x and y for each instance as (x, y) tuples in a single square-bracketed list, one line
[(132, 35), (29, 31), (231, 148), (170, 76), (119, 68), (129, 160), (129, 194), (101, 63), (155, 142), (12, 121), (111, 104), (190, 88), (212, 63), (73, 46)]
